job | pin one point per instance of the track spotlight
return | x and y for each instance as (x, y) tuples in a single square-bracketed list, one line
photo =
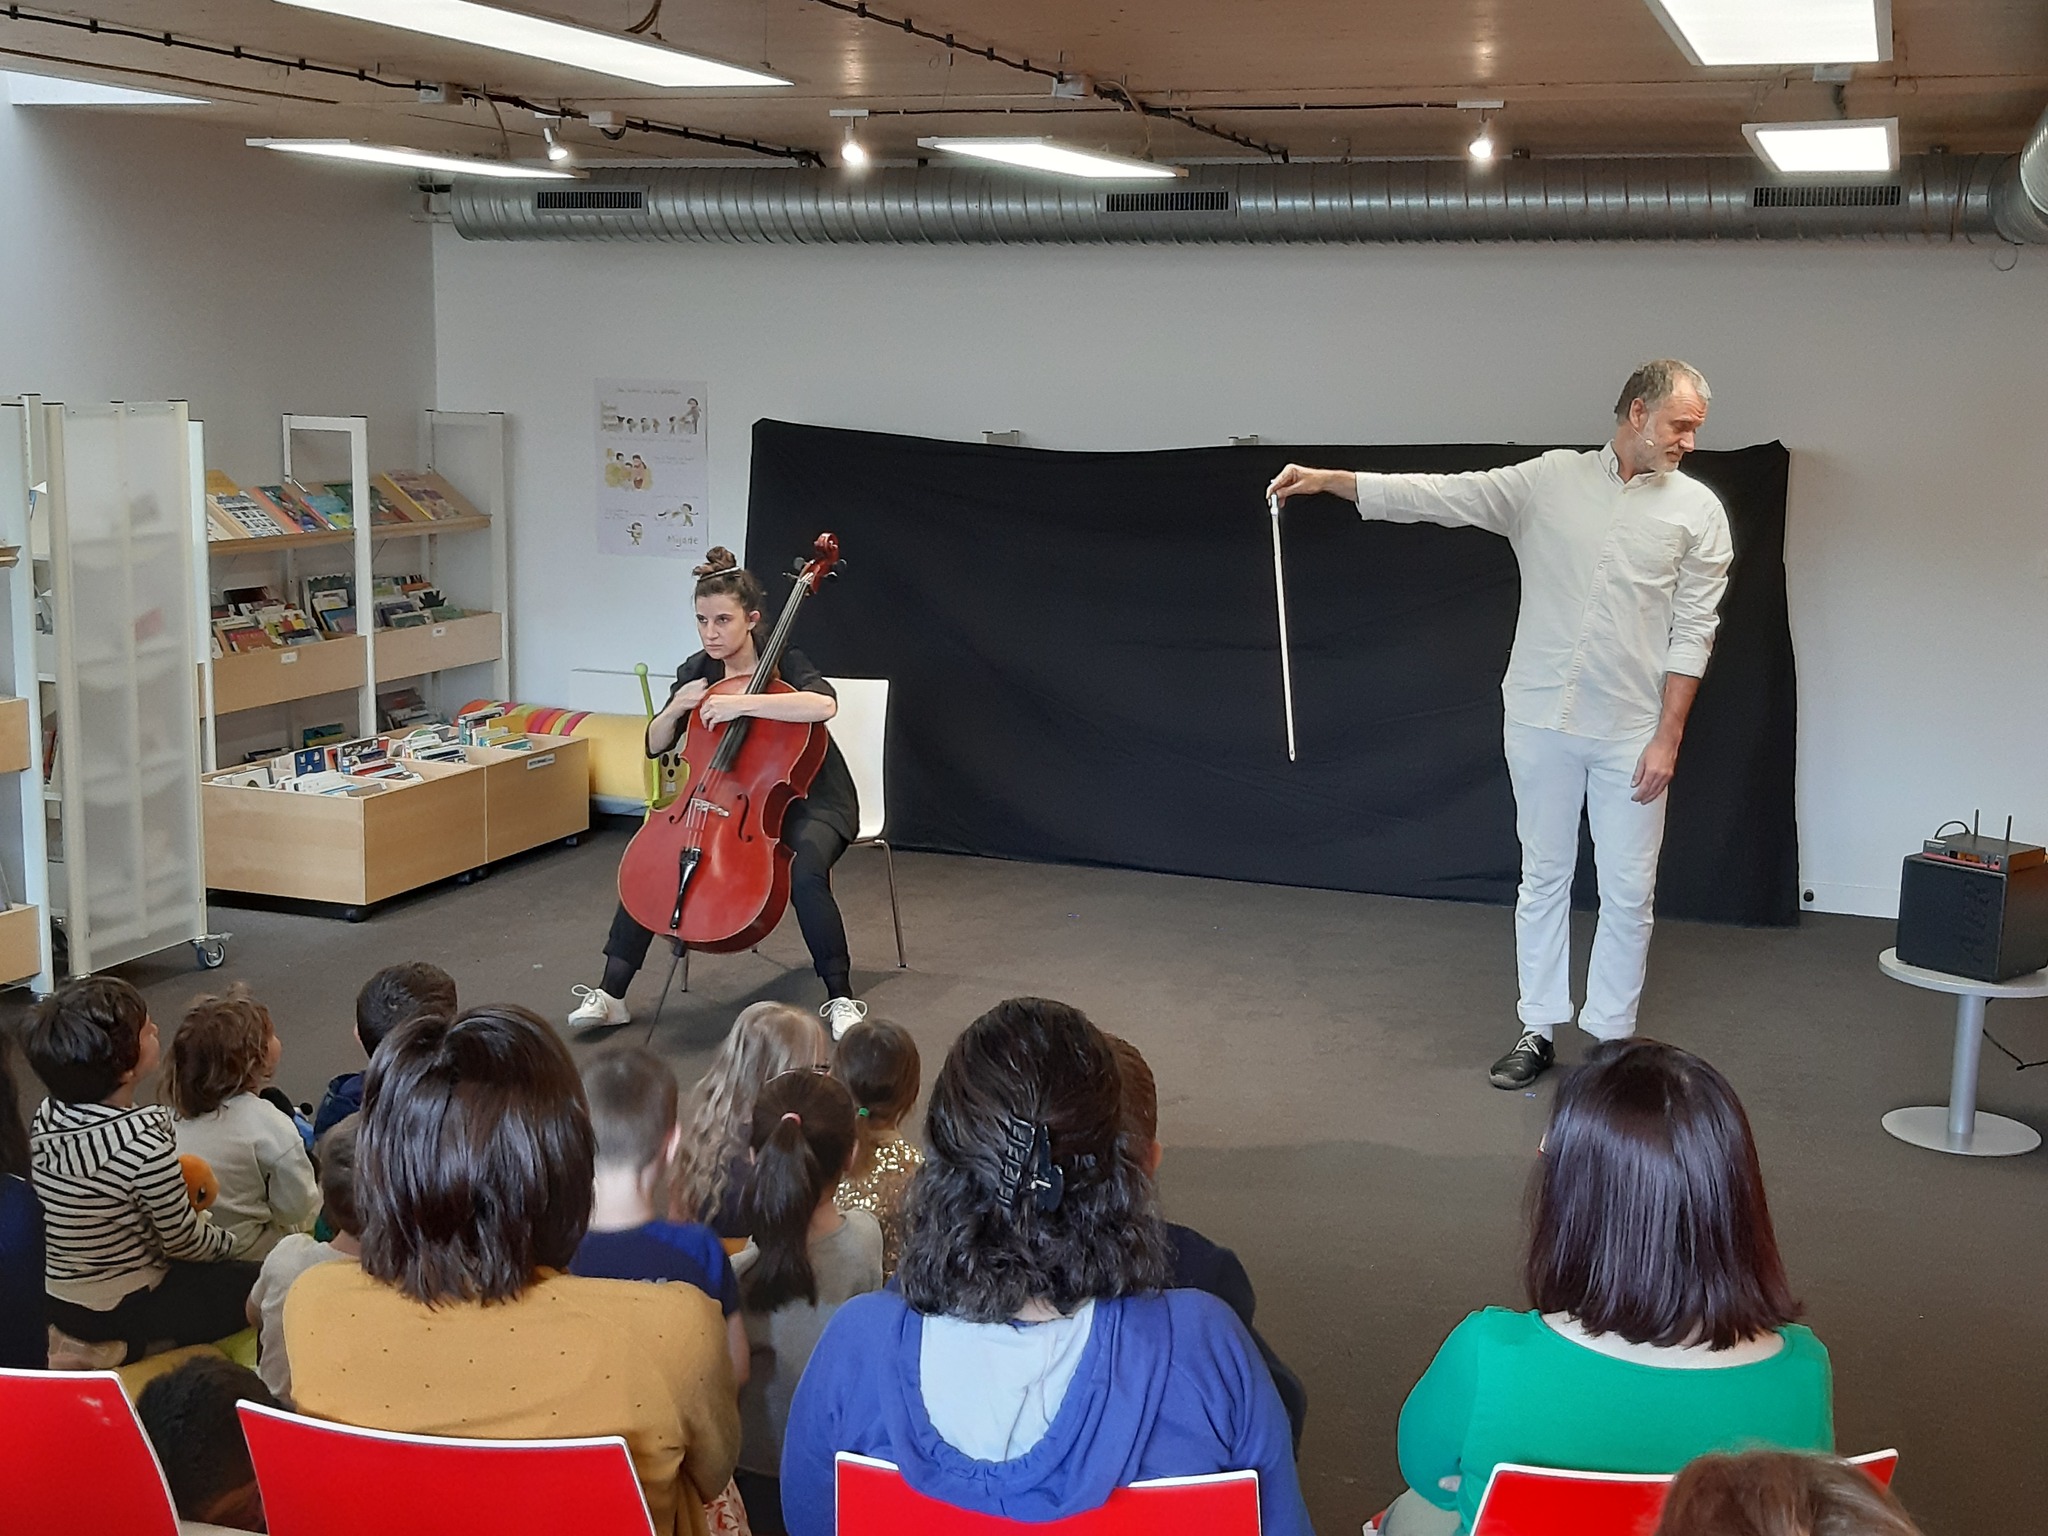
[(1482, 149), (852, 153), (557, 150)]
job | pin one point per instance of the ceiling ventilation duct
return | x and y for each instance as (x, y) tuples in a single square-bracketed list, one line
[(2020, 195), (1932, 197)]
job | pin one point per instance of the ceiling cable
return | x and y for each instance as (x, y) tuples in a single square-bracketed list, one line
[(1110, 92), (99, 28)]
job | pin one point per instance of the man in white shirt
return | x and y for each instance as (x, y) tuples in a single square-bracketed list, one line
[(1624, 561)]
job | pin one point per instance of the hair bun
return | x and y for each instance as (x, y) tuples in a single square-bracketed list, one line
[(718, 558)]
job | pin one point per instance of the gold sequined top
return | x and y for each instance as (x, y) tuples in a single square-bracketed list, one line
[(880, 1193)]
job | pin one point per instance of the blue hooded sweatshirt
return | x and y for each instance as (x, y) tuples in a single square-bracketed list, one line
[(1169, 1385)]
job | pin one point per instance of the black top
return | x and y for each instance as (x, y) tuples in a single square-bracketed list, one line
[(832, 799), (1200, 1265)]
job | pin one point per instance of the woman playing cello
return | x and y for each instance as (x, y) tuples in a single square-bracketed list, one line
[(816, 829)]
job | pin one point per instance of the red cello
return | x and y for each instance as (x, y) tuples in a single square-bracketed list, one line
[(710, 869)]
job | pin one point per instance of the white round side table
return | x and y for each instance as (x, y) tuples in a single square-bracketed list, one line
[(1961, 1127)]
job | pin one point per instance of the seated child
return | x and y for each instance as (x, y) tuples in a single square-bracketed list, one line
[(300, 1251), (633, 1095), (767, 1039), (813, 1258), (396, 993), (222, 1058), (878, 1063), (190, 1418), (1198, 1264), (1780, 1493), (130, 1262)]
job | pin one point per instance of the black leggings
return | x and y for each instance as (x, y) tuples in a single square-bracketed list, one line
[(817, 848), (192, 1304)]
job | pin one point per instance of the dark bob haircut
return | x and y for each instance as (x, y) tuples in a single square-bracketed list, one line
[(475, 1157), (400, 992), (1649, 1219), (969, 1250), (85, 1037)]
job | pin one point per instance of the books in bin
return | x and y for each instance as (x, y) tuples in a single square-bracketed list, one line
[(403, 709), (291, 508), (256, 618)]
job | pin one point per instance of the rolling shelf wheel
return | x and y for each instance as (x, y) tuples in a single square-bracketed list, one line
[(211, 951), (351, 914), (572, 840)]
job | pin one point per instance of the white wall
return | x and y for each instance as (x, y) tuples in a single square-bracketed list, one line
[(147, 257), (1905, 380)]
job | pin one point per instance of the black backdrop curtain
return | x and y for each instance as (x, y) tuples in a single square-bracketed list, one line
[(1084, 660)]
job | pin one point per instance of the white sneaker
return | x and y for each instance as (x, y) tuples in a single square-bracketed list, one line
[(598, 1007), (69, 1354), (842, 1013)]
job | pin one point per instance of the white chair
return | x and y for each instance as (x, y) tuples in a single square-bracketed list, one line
[(861, 729)]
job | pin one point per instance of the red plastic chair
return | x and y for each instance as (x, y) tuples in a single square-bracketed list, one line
[(322, 1479), (874, 1500), (73, 1458), (1543, 1501)]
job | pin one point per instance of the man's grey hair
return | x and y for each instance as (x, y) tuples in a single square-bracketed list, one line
[(1654, 382)]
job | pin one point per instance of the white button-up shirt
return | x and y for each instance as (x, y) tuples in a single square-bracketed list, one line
[(1620, 580)]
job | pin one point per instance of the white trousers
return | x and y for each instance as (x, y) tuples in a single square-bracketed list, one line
[(1554, 775)]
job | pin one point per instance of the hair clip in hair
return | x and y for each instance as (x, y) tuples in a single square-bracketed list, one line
[(793, 1115), (1028, 1168), (861, 1113)]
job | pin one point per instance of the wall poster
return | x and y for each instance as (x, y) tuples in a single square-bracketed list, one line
[(653, 479)]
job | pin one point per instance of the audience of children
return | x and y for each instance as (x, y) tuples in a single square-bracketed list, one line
[(475, 1177), (1032, 1361), (396, 993), (300, 1251), (1661, 1326), (878, 1062), (1780, 1493), (766, 1040), (1197, 1263), (223, 1056), (190, 1417), (1048, 1338), (129, 1262), (632, 1094), (812, 1259)]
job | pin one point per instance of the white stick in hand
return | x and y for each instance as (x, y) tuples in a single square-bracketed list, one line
[(1280, 594)]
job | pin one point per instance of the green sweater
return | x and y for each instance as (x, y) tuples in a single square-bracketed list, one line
[(1505, 1387)]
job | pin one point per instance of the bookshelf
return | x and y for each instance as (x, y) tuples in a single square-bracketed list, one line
[(111, 644), (465, 555), (24, 869)]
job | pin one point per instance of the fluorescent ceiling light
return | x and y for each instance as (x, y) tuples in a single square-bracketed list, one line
[(1715, 32), (557, 42), (1820, 149), (1060, 159), (54, 91), (415, 159)]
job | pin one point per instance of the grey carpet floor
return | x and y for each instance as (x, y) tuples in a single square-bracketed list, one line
[(1320, 1060)]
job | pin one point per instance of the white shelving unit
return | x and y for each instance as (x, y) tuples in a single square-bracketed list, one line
[(24, 865), (117, 624), (466, 447)]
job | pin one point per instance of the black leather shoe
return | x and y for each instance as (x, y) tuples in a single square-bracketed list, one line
[(1530, 1059)]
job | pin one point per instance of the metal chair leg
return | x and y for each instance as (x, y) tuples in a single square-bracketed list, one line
[(895, 912), (681, 963)]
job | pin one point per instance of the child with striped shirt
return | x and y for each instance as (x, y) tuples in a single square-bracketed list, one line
[(129, 1262)]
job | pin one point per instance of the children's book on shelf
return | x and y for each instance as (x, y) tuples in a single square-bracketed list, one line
[(321, 501), (383, 512), (327, 597), (233, 514), (253, 618), (291, 509), (426, 496), (323, 735)]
